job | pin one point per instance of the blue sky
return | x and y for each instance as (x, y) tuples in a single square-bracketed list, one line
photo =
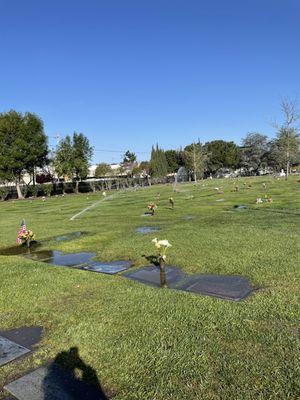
[(130, 73)]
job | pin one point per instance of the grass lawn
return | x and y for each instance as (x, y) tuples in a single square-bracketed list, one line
[(157, 344)]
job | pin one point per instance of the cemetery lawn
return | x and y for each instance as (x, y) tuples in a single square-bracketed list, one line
[(147, 343)]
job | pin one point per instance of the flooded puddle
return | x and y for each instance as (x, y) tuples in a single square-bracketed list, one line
[(19, 250), (110, 268), (69, 236), (81, 260), (230, 287), (69, 259)]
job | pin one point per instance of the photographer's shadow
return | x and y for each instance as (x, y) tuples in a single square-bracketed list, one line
[(70, 378)]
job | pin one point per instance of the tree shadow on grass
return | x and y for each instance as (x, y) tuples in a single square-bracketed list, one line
[(70, 378)]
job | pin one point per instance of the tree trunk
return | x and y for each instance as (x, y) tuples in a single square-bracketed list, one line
[(33, 177), (19, 192), (77, 186)]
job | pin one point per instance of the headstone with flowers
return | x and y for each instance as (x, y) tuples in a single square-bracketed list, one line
[(162, 246), (25, 236), (152, 207)]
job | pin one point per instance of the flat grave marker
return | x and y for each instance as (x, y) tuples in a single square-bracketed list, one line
[(240, 207), (150, 275), (68, 236), (40, 255), (26, 336), (69, 260), (189, 217), (144, 230), (147, 214), (110, 268), (227, 287), (231, 287), (10, 350), (53, 383)]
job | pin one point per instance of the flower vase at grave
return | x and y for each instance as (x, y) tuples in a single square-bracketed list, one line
[(162, 267)]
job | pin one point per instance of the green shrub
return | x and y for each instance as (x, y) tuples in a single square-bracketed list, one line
[(3, 192), (34, 190), (47, 189)]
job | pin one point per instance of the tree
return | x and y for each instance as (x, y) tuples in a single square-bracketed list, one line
[(287, 133), (158, 163), (102, 170), (82, 155), (129, 157), (145, 167), (194, 160), (73, 156), (254, 151), (145, 170), (284, 150), (63, 160), (23, 145), (175, 160), (221, 154)]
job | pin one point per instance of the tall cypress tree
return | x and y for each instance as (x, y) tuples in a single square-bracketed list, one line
[(159, 165)]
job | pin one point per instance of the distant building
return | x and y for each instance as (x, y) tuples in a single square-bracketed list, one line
[(91, 172)]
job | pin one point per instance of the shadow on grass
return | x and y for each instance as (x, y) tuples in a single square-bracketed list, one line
[(69, 377), (152, 259)]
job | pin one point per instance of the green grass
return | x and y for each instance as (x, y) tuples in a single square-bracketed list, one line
[(154, 344)]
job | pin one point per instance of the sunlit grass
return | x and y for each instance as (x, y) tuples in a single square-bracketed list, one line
[(147, 343)]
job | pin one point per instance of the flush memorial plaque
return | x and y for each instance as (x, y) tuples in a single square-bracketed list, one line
[(10, 350)]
